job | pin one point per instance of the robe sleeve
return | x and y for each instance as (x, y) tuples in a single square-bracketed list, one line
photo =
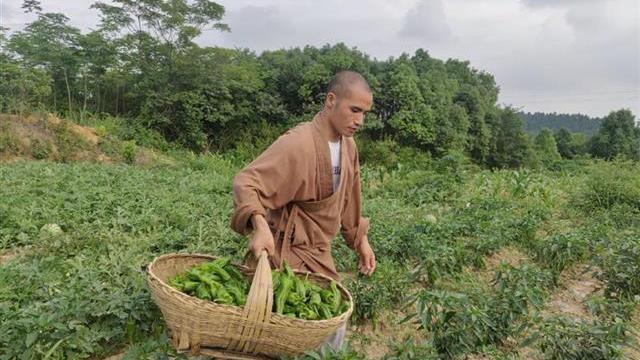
[(269, 182), (354, 226)]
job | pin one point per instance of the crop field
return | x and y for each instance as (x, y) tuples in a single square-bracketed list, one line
[(472, 263)]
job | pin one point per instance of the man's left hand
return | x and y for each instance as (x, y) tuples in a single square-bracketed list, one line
[(367, 263)]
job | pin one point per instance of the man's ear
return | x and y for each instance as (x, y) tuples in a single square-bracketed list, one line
[(330, 100)]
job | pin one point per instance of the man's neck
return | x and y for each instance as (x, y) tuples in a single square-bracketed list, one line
[(327, 130)]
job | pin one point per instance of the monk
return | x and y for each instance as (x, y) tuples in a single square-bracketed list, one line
[(305, 187)]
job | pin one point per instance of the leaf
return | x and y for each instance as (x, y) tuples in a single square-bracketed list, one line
[(31, 338)]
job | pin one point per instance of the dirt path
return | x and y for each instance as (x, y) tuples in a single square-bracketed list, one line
[(570, 298)]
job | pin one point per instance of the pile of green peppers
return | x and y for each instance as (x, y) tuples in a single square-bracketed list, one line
[(217, 281), (300, 298), (220, 282)]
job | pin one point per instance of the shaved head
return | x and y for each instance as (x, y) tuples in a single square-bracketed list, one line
[(344, 81), (348, 100)]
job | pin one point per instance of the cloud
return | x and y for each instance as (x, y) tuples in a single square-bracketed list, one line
[(557, 3), (9, 15), (259, 27), (426, 21)]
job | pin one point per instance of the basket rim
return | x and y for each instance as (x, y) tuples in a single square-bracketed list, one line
[(213, 305)]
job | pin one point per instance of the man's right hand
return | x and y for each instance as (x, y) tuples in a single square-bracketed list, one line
[(262, 238)]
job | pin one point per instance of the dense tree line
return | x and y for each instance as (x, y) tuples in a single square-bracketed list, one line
[(577, 123), (142, 63)]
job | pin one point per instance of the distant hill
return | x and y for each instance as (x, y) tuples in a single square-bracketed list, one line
[(534, 122)]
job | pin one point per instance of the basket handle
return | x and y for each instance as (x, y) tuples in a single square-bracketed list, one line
[(257, 309)]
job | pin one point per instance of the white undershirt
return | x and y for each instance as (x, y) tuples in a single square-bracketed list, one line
[(334, 147)]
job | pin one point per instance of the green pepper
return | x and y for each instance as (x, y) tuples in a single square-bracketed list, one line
[(220, 262), (275, 278), (235, 273), (294, 299), (286, 284), (189, 286), (288, 270), (325, 311), (178, 282), (223, 296), (311, 313), (327, 296), (301, 289), (215, 270), (337, 298), (237, 294), (315, 299), (202, 292)]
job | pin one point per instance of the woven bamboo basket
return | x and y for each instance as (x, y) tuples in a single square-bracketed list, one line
[(231, 332)]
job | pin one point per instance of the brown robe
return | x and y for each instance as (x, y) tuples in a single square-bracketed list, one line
[(291, 184)]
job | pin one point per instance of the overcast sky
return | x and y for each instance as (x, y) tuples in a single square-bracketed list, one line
[(576, 56)]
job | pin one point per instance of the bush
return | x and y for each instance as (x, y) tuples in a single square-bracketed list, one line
[(456, 322), (412, 350), (558, 251), (620, 266), (328, 353), (67, 142), (378, 152), (610, 185), (388, 286), (7, 142), (129, 150), (40, 149), (567, 339), (515, 291)]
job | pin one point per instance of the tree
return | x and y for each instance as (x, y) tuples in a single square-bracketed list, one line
[(534, 122), (153, 36), (565, 143), (49, 43), (545, 146), (512, 147), (619, 135)]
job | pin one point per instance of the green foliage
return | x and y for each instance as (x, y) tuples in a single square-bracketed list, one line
[(88, 230), (545, 145), (619, 135), (570, 145), (67, 142), (389, 285), (7, 142), (607, 188), (22, 88), (329, 353), (516, 291), (567, 339), (129, 149), (462, 322), (379, 152), (558, 251), (143, 63), (412, 350), (512, 146), (576, 123), (455, 321), (620, 264), (40, 149)]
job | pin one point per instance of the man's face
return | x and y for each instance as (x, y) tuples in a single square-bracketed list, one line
[(347, 112)]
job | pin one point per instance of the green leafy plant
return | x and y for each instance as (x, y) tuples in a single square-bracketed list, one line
[(566, 339)]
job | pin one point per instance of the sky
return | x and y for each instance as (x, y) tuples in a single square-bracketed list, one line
[(565, 56)]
